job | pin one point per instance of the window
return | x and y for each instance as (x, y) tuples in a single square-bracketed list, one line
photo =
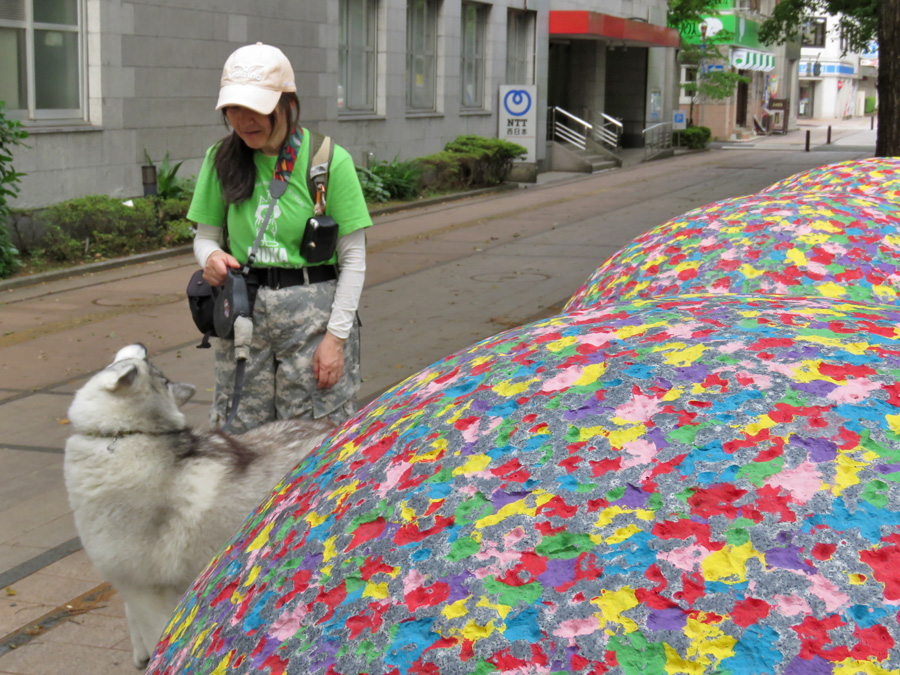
[(356, 79), (814, 33), (421, 52), (688, 76), (472, 61), (40, 49), (518, 47)]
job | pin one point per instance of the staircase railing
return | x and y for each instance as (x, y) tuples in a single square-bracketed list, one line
[(566, 127), (657, 138), (606, 130)]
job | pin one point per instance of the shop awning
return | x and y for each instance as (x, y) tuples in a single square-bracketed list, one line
[(751, 59), (581, 24)]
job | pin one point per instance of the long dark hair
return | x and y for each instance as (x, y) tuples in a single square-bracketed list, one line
[(234, 160)]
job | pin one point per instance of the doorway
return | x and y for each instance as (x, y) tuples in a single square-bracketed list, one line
[(740, 104), (807, 100)]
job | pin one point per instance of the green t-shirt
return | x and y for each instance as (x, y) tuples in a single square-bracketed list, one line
[(281, 243)]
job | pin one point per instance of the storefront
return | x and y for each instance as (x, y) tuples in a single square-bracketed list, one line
[(732, 42)]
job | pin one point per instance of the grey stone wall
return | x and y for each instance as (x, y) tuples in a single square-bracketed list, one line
[(153, 70)]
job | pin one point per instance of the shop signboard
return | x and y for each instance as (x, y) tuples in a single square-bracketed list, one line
[(518, 117)]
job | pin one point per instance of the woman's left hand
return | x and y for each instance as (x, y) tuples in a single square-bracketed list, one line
[(328, 361)]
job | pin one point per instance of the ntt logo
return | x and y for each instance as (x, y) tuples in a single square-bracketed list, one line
[(517, 102)]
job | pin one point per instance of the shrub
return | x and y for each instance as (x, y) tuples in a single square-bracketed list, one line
[(399, 178), (167, 184), (695, 138), (97, 226), (11, 135), (870, 105), (470, 162), (372, 186)]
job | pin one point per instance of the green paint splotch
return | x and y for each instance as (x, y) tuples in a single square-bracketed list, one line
[(564, 545), (637, 656)]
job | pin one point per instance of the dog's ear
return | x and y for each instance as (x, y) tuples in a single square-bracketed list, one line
[(182, 391), (123, 379), (135, 351)]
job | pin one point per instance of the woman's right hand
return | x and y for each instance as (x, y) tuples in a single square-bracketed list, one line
[(217, 265)]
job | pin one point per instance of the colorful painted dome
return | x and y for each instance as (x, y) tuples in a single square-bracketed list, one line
[(873, 176), (839, 246), (694, 485)]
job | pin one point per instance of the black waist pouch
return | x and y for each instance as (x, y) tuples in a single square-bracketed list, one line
[(319, 239)]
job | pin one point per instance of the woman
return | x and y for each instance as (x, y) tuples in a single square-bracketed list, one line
[(304, 359)]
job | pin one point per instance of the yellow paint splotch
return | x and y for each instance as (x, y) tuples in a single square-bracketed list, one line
[(475, 464), (379, 591), (612, 605), (709, 644), (729, 565)]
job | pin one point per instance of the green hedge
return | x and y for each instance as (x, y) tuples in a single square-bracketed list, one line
[(469, 162), (694, 138), (97, 227)]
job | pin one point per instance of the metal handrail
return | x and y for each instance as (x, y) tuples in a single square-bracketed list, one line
[(657, 137), (564, 126), (559, 130), (607, 130)]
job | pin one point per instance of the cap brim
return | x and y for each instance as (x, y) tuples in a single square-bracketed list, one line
[(257, 99)]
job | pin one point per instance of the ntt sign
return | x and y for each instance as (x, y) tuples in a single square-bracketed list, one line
[(517, 121)]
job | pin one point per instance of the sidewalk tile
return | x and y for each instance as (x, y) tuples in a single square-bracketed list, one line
[(12, 555), (91, 630), (40, 657), (47, 589)]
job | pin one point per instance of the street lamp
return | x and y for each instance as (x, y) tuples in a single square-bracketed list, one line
[(704, 26)]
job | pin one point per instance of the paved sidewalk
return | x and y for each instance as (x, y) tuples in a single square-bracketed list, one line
[(858, 132), (439, 278)]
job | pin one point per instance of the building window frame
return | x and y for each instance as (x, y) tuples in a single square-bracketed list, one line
[(48, 80), (519, 46), (473, 48), (814, 32), (421, 55), (357, 56), (688, 76)]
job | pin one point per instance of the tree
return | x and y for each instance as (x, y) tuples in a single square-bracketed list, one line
[(685, 15), (861, 22), (715, 85)]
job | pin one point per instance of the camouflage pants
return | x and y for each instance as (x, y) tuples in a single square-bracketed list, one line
[(288, 325)]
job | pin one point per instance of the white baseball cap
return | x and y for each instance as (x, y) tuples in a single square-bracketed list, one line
[(254, 77)]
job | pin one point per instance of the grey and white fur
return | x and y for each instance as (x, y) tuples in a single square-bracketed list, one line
[(153, 500)]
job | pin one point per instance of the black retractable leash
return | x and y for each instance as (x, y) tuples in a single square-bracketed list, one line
[(233, 311)]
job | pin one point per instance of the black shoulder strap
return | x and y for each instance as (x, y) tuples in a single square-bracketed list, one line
[(321, 151)]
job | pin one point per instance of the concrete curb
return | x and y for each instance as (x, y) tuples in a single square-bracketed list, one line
[(114, 263)]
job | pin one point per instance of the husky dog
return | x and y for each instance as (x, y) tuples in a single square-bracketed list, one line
[(155, 501)]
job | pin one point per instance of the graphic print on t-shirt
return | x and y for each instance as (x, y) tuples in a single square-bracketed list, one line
[(270, 251)]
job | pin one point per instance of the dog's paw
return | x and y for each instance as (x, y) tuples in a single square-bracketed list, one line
[(141, 660)]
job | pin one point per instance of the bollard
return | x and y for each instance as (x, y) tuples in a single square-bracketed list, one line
[(872, 122), (807, 140), (828, 142)]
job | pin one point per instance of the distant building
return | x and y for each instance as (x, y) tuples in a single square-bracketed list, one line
[(830, 80), (98, 83), (764, 103)]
